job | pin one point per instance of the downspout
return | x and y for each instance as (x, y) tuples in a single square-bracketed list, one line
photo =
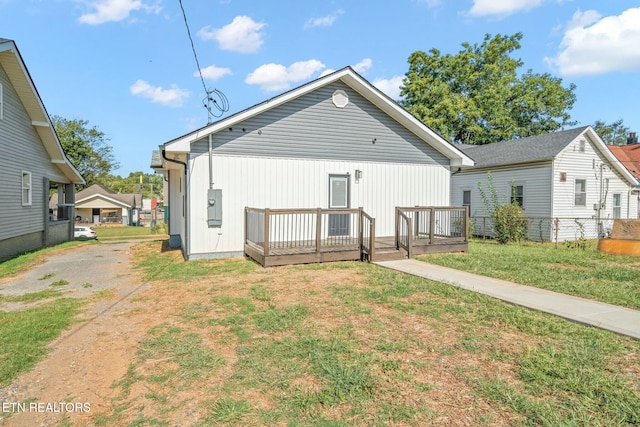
[(210, 163), (186, 202)]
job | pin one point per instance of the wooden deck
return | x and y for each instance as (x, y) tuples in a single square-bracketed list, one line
[(300, 236)]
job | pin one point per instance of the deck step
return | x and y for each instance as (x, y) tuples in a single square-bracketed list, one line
[(389, 254)]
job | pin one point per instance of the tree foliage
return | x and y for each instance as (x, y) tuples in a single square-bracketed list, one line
[(86, 147), (612, 134), (477, 97), (151, 186)]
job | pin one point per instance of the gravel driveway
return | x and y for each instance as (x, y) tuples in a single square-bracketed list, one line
[(87, 269)]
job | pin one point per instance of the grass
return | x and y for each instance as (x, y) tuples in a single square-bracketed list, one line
[(586, 273), (26, 334), (343, 344), (27, 260), (122, 231)]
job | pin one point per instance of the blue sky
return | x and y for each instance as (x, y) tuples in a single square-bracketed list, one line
[(127, 66)]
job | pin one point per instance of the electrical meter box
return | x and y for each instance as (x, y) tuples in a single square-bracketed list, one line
[(214, 208)]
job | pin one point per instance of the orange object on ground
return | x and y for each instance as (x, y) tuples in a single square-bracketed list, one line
[(619, 246)]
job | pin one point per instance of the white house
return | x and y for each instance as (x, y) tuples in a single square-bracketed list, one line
[(32, 164), (568, 175), (336, 142), (99, 205)]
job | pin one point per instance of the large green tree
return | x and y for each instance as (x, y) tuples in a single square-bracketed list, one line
[(477, 96), (86, 147), (612, 134), (151, 184)]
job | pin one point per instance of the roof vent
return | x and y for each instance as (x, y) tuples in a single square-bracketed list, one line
[(340, 98)]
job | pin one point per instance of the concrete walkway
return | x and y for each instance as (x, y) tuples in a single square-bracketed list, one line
[(621, 320)]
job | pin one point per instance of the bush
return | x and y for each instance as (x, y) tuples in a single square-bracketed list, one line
[(510, 223), (508, 218)]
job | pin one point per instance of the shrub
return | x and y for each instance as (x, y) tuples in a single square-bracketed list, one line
[(510, 223)]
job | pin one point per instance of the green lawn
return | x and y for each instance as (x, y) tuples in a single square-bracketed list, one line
[(586, 273), (342, 344), (122, 231)]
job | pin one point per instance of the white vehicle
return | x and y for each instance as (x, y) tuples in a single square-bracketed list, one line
[(83, 232)]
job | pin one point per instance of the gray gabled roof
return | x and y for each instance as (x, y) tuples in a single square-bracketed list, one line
[(523, 150)]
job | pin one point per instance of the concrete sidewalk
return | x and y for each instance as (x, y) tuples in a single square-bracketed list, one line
[(621, 320)]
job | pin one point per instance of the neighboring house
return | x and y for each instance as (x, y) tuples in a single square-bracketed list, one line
[(629, 156), (31, 165), (566, 175), (336, 142), (99, 205)]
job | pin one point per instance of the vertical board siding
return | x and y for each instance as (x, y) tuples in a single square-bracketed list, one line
[(312, 127), (22, 150), (294, 183)]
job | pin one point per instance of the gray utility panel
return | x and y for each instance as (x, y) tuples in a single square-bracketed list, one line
[(214, 208)]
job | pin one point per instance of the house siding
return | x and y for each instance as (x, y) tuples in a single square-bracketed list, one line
[(22, 151), (312, 127), (578, 165), (263, 182), (536, 180)]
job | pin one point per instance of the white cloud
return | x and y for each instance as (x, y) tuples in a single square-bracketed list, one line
[(363, 66), (173, 97), (274, 77), (115, 10), (596, 45), (325, 21), (502, 8), (242, 35), (391, 87), (213, 73)]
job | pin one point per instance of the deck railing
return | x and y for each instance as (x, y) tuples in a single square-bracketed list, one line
[(419, 226), (368, 236), (291, 236), (305, 232)]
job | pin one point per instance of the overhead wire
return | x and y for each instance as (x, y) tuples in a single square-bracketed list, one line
[(222, 106)]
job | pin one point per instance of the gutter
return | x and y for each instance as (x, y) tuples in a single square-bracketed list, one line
[(187, 239)]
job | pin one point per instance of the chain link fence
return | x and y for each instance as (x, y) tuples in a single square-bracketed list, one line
[(542, 229)]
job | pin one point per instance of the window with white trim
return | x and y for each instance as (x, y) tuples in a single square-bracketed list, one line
[(466, 198), (617, 205), (26, 188), (517, 195), (580, 195)]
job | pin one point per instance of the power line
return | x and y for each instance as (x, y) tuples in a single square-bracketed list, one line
[(209, 100)]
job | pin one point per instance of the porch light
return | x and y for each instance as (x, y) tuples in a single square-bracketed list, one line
[(358, 175)]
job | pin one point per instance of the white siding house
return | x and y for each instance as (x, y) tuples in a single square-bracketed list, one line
[(565, 175), (99, 205), (32, 163), (290, 151)]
